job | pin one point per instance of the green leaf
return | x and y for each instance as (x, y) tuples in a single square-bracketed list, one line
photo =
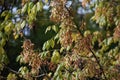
[(3, 56), (1, 34), (55, 57), (11, 77), (18, 11), (24, 9), (39, 6), (57, 36), (23, 70), (52, 43), (31, 4), (23, 24), (46, 45), (4, 13), (61, 49), (55, 28), (16, 36), (45, 54), (48, 29), (18, 58), (69, 76), (1, 66), (58, 71), (1, 50), (68, 48), (9, 28), (8, 16), (86, 33), (34, 10), (3, 42), (46, 1)]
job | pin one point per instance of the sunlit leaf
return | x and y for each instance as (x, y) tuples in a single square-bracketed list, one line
[(24, 9), (34, 10), (16, 36), (18, 58), (11, 76), (8, 16), (45, 54), (1, 50), (61, 50), (23, 24), (56, 37), (46, 45), (30, 5), (57, 73), (3, 42), (9, 28), (55, 57), (48, 29), (4, 13), (39, 6), (23, 70), (55, 28), (52, 43)]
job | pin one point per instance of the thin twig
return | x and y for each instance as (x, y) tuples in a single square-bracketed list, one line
[(2, 78), (17, 73), (38, 76), (101, 68), (11, 70)]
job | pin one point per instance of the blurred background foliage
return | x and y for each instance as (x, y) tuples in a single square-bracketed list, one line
[(37, 44)]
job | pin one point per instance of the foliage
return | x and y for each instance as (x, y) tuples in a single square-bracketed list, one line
[(69, 49)]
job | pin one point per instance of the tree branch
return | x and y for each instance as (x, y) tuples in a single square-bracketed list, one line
[(10, 69), (101, 68), (41, 75), (17, 73)]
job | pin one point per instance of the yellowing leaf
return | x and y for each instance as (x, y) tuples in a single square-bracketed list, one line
[(23, 24), (3, 42), (30, 7), (9, 28), (86, 33), (1, 50), (8, 16), (52, 43), (55, 57), (39, 6), (11, 77), (4, 13), (16, 36), (46, 1), (23, 70), (24, 9), (34, 10), (61, 50), (74, 36)]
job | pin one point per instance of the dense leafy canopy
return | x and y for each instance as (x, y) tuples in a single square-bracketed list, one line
[(60, 39)]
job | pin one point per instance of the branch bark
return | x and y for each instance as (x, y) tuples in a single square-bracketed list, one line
[(98, 62)]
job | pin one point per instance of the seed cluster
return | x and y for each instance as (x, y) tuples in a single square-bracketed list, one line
[(58, 11)]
